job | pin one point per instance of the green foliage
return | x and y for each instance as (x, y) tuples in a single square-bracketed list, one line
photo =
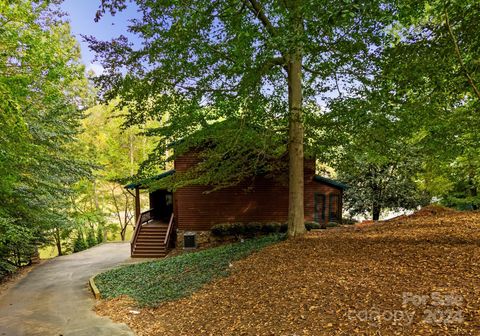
[(349, 221), (220, 73), (6, 269), (379, 148), (253, 229), (430, 81), (100, 233), (247, 229), (90, 240), (152, 283), (117, 154), (17, 242), (42, 92), (374, 187), (79, 243), (461, 202), (312, 226)]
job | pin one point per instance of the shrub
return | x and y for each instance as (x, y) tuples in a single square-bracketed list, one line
[(220, 230), (274, 227), (99, 234), (332, 224), (91, 241), (462, 203), (247, 229), (6, 269), (349, 221), (17, 243), (252, 229), (312, 225), (79, 243)]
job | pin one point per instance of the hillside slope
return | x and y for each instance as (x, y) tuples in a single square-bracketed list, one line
[(415, 275)]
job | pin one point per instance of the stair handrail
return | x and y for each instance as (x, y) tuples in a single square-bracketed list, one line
[(142, 219), (169, 229)]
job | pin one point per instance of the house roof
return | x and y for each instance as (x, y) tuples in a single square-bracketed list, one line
[(142, 183), (330, 182)]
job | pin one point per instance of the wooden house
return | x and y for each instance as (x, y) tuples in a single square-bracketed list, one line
[(260, 199)]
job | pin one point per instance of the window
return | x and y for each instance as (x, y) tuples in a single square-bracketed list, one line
[(319, 214), (334, 208)]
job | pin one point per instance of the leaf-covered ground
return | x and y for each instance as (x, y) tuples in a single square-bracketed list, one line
[(418, 275)]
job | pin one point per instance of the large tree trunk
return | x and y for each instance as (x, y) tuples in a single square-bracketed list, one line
[(296, 225)]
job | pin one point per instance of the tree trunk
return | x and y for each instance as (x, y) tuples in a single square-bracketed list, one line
[(59, 248), (58, 241), (472, 188), (130, 138), (296, 225), (376, 209), (123, 232)]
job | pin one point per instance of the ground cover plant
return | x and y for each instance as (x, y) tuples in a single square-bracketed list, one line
[(158, 281)]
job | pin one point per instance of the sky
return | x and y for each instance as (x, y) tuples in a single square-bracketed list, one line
[(81, 16)]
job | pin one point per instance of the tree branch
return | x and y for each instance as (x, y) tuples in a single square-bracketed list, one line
[(459, 56), (255, 7), (260, 70)]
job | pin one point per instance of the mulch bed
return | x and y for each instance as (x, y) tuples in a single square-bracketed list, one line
[(416, 275)]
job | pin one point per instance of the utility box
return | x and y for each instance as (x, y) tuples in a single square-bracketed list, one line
[(189, 240)]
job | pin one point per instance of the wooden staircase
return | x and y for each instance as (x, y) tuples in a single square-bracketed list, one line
[(151, 238)]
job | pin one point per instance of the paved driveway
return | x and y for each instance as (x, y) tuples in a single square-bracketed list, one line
[(54, 298)]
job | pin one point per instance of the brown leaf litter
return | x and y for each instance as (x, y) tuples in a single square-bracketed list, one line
[(415, 275)]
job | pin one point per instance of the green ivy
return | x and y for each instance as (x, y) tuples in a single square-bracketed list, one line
[(152, 283)]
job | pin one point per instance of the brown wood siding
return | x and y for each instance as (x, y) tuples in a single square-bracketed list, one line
[(258, 200)]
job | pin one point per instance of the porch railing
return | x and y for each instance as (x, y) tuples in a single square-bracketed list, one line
[(144, 218), (169, 232)]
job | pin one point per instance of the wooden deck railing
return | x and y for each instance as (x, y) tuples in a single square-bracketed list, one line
[(144, 217), (169, 232)]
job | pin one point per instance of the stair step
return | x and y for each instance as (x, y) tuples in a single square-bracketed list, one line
[(148, 255), (153, 228), (152, 233), (149, 252), (149, 247), (151, 239)]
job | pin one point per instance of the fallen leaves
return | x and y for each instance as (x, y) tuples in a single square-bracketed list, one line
[(322, 284)]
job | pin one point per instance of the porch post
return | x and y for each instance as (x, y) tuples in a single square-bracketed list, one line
[(137, 204)]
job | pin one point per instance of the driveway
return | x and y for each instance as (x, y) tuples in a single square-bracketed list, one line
[(54, 298)]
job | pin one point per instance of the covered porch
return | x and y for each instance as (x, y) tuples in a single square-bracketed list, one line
[(154, 228)]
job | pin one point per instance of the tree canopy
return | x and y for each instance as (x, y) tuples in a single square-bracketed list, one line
[(43, 91), (265, 62)]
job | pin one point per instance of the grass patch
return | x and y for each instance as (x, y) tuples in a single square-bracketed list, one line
[(152, 283)]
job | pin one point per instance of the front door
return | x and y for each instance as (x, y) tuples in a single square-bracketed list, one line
[(161, 201)]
